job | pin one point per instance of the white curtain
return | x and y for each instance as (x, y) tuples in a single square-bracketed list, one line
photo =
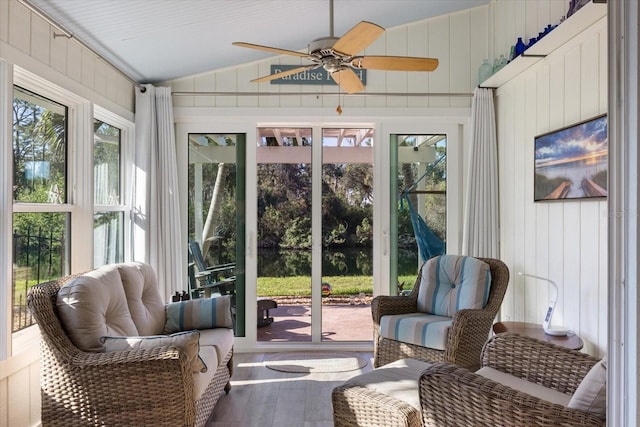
[(480, 231), (157, 236)]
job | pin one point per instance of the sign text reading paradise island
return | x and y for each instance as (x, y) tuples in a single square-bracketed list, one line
[(319, 76)]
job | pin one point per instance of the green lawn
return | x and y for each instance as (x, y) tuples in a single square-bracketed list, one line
[(301, 285)]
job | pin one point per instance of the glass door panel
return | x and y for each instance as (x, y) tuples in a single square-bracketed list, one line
[(419, 202), (284, 173), (347, 238), (216, 225)]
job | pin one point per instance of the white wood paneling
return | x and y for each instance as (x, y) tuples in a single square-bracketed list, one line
[(417, 35), (460, 41), (100, 78), (4, 400), (74, 61), (565, 241), (19, 402), (19, 26), (40, 38), (204, 83), (396, 81), (479, 44), (58, 54), (4, 21), (439, 47)]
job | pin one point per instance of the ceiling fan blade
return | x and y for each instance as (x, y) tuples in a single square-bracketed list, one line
[(358, 38), (284, 73), (348, 80), (395, 63), (271, 49)]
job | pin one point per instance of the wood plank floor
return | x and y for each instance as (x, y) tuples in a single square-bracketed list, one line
[(266, 398)]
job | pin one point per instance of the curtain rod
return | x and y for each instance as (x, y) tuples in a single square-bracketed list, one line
[(318, 94), (70, 35)]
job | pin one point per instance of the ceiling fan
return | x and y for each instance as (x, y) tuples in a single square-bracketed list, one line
[(338, 56)]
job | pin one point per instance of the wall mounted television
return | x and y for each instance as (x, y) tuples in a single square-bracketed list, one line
[(571, 163)]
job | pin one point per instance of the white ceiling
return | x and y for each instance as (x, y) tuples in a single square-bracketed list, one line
[(158, 40)]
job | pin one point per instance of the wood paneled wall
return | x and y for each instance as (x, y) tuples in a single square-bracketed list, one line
[(564, 241)]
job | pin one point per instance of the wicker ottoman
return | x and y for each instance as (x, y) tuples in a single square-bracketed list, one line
[(387, 396)]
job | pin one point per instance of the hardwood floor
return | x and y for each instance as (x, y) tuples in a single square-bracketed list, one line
[(266, 398)]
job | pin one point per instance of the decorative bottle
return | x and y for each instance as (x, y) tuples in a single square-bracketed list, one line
[(520, 47), (485, 70)]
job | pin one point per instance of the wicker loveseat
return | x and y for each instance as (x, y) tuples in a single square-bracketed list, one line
[(467, 333), (523, 382), (157, 384)]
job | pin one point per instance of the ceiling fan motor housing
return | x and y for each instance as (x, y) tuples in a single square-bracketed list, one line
[(322, 50)]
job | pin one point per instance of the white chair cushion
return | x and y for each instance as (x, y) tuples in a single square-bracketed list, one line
[(591, 394), (532, 389), (201, 380), (186, 341), (398, 379), (94, 305), (450, 283), (219, 338), (143, 297), (426, 330)]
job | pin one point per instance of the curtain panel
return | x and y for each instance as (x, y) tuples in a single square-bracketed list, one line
[(157, 237), (481, 227)]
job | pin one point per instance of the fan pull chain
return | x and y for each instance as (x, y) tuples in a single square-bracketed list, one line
[(339, 108)]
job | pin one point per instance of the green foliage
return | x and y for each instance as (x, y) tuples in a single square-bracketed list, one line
[(364, 233), (298, 234), (39, 140)]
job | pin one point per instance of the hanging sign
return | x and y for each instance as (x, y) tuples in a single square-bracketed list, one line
[(319, 76)]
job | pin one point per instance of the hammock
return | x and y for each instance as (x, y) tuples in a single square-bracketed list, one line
[(429, 245)]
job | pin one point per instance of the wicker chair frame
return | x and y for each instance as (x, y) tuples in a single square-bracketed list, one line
[(468, 333), (454, 396), (136, 387)]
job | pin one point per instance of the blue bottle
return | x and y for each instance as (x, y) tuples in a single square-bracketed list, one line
[(520, 47)]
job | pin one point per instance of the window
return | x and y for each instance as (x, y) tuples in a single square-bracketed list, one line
[(41, 215), (108, 217), (58, 198)]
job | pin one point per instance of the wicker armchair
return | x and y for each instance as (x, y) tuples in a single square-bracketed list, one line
[(454, 396), (134, 387), (467, 335)]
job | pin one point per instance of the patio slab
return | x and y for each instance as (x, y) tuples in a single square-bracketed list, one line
[(340, 322)]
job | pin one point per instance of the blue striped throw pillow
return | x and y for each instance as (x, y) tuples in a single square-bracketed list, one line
[(201, 313)]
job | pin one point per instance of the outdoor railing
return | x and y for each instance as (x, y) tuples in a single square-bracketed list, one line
[(37, 257)]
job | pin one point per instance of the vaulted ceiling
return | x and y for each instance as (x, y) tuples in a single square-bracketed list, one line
[(158, 40)]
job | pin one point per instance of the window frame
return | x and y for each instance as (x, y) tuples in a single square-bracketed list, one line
[(127, 135), (79, 204)]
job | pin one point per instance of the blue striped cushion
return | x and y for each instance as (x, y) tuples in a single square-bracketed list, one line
[(450, 283), (425, 330), (201, 313)]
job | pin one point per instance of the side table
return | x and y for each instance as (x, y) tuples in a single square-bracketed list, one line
[(571, 341)]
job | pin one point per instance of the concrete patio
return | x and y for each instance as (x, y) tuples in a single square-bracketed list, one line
[(340, 322)]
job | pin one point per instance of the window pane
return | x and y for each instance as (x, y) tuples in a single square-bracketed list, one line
[(106, 164), (39, 149), (108, 237), (420, 213), (40, 253)]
